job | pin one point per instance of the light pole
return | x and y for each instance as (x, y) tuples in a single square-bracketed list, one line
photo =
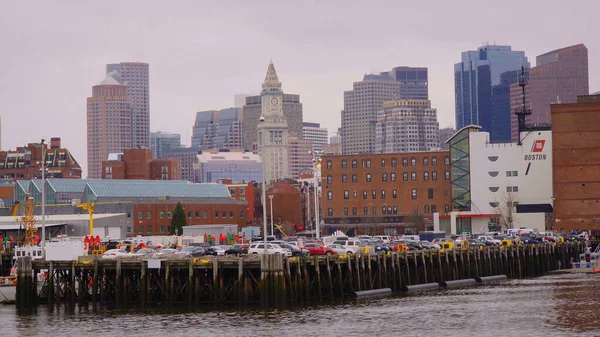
[(308, 207), (271, 200), (264, 183), (316, 184), (44, 199)]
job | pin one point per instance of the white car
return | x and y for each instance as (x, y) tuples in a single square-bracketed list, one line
[(341, 249), (114, 253), (220, 251), (259, 248)]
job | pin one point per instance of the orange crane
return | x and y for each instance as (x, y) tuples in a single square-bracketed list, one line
[(15, 208), (29, 221), (89, 206)]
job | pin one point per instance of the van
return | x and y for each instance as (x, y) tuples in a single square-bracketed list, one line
[(384, 238), (410, 237), (354, 244)]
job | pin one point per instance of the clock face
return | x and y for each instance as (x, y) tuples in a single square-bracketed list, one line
[(274, 100)]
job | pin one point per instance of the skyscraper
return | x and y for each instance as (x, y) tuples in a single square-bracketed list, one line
[(558, 77), (218, 129), (292, 110), (162, 142), (299, 156), (109, 123), (407, 126), (318, 135), (273, 129), (136, 76), (366, 98), (482, 88)]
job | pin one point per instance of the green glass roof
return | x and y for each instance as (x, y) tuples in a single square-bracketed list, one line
[(67, 185), (155, 188), (37, 184), (24, 185)]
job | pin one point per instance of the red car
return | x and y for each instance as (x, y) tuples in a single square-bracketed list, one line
[(317, 249)]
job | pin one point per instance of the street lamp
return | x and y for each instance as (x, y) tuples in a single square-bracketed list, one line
[(271, 200), (264, 184), (316, 184), (44, 199)]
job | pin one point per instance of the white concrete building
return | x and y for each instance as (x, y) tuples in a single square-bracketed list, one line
[(498, 186), (273, 129), (238, 166), (315, 133)]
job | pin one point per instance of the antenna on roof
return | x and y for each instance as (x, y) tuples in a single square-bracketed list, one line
[(521, 114)]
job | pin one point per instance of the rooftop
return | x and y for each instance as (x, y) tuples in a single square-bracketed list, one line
[(205, 157), (154, 189)]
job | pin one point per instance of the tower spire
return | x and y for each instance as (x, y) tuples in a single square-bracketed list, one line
[(271, 79)]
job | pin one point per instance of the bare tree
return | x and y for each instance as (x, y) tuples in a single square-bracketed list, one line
[(506, 210)]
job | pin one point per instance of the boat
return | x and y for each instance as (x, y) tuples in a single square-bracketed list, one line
[(8, 289), (589, 262)]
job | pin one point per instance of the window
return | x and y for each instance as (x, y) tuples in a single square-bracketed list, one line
[(404, 161), (395, 210), (232, 191), (425, 161), (224, 214), (149, 229), (344, 178), (413, 194), (373, 194), (394, 194), (345, 210), (433, 175), (242, 215), (368, 177), (392, 176), (129, 229), (161, 214), (382, 194), (447, 208), (384, 177), (405, 176), (413, 176), (426, 209), (330, 211), (515, 173), (383, 210), (425, 175), (512, 173), (354, 211), (242, 191), (416, 209), (329, 195), (365, 210), (140, 229), (344, 164), (512, 188), (231, 214), (365, 194), (149, 214), (162, 228), (189, 214), (430, 193), (329, 164), (447, 160), (434, 160), (512, 204), (445, 193), (346, 195), (197, 214), (382, 162), (169, 215), (140, 215), (329, 179), (354, 178), (413, 161), (216, 214), (433, 209), (205, 214), (354, 165), (447, 175), (368, 163), (354, 194), (394, 162), (374, 210)]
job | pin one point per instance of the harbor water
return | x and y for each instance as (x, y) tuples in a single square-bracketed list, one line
[(559, 305)]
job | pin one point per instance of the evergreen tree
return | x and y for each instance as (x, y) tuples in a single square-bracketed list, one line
[(178, 220)]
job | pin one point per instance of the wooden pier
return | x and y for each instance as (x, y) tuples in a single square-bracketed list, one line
[(270, 280)]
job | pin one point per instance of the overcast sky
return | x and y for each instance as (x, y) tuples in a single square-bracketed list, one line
[(202, 53)]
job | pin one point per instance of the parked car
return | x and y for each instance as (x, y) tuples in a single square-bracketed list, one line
[(341, 249), (166, 251), (214, 251), (192, 251), (259, 248), (237, 249), (429, 245), (295, 250), (114, 253), (143, 252), (317, 249)]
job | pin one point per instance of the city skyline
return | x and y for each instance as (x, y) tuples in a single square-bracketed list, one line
[(206, 72)]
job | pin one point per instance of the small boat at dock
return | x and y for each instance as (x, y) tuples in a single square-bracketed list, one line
[(589, 262)]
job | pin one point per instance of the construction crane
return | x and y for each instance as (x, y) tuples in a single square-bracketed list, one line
[(89, 206), (29, 221), (15, 208)]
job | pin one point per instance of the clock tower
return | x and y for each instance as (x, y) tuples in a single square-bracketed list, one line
[(273, 129)]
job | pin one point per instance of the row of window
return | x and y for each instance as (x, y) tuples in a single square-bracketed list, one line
[(366, 163), (365, 194), (389, 210), (391, 176), (161, 214)]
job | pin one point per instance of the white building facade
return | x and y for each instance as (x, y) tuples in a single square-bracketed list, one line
[(497, 186), (273, 129), (318, 135), (239, 167)]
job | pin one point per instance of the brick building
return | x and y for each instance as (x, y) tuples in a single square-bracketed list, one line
[(576, 164), (376, 193), (288, 202), (138, 164), (25, 162), (242, 192)]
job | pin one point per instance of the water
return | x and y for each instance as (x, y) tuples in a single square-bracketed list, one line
[(565, 305)]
